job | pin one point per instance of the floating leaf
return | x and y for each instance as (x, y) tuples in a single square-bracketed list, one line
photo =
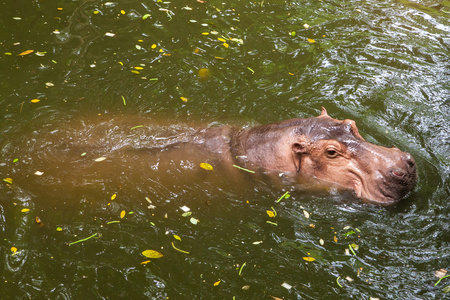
[(26, 52), (292, 33), (257, 242), (206, 166), (122, 214), (35, 101), (110, 34), (8, 180), (311, 41), (152, 254), (122, 12), (285, 196), (177, 237), (145, 262), (113, 196), (38, 173), (286, 285), (242, 267), (243, 169), (82, 240), (193, 221), (100, 159), (306, 26), (59, 229), (321, 242), (182, 251), (222, 40), (153, 46), (309, 258), (270, 213), (306, 214), (187, 214), (146, 16), (15, 160), (226, 45), (184, 99), (13, 250), (216, 283), (185, 208)]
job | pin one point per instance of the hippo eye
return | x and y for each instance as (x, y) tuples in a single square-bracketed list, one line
[(331, 152)]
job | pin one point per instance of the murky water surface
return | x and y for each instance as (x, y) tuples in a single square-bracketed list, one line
[(99, 69)]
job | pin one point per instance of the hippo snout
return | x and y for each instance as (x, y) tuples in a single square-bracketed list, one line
[(402, 177), (408, 167)]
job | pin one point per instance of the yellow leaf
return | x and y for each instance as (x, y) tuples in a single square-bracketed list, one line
[(226, 45), (311, 41), (205, 33), (206, 166), (335, 239), (270, 213), (135, 72), (153, 46), (177, 237), (113, 197), (222, 40), (152, 254), (96, 12), (25, 210), (309, 258), (8, 180), (184, 99), (122, 214), (35, 101), (216, 283), (122, 12), (14, 250), (145, 262), (139, 68), (26, 52)]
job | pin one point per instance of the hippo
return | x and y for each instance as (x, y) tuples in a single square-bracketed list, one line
[(327, 149), (79, 154)]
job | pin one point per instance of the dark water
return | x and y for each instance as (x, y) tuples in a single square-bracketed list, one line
[(384, 64)]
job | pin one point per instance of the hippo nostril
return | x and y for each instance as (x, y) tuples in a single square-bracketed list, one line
[(398, 173)]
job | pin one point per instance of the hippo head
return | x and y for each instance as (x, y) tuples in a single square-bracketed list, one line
[(333, 151)]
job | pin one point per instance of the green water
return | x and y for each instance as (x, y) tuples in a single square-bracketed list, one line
[(384, 64)]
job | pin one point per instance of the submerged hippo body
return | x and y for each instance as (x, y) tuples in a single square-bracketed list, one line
[(330, 150), (105, 154)]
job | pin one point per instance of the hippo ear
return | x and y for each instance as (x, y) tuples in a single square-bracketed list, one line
[(324, 112)]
